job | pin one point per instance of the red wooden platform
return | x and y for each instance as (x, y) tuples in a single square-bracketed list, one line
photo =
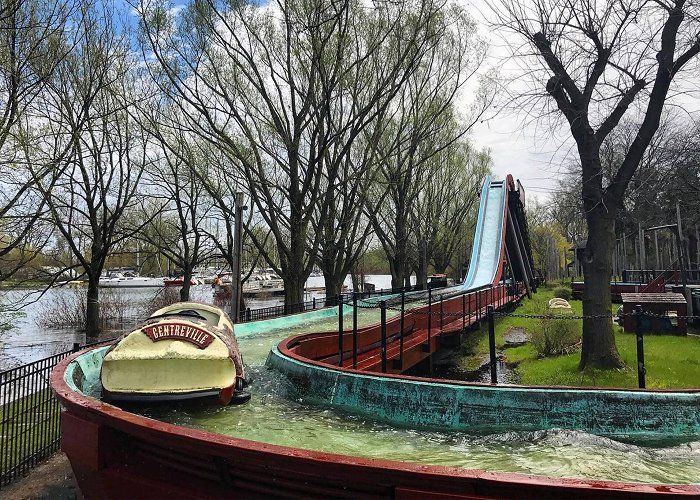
[(419, 342)]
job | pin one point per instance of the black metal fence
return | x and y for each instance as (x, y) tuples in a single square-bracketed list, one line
[(643, 276), (29, 417)]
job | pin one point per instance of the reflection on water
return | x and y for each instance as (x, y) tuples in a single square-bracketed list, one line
[(271, 418)]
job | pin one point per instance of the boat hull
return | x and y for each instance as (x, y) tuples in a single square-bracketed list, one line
[(131, 284), (117, 454)]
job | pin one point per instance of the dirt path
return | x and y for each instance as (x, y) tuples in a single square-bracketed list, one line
[(52, 480)]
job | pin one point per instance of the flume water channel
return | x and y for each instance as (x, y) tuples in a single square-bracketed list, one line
[(271, 418)]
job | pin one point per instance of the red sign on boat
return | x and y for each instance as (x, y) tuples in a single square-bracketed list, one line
[(179, 331)]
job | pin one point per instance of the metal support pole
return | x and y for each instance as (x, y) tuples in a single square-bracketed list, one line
[(464, 311), (236, 261), (382, 308), (469, 307), (656, 250), (683, 259), (478, 305), (641, 371), (403, 303), (340, 330), (642, 251), (354, 330), (492, 344)]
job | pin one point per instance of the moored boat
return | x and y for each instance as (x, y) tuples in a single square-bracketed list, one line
[(183, 351), (179, 281), (128, 279)]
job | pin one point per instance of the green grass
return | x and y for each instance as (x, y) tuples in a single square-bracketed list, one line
[(29, 424), (672, 362)]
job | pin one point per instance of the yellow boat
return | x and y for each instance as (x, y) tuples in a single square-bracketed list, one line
[(183, 351)]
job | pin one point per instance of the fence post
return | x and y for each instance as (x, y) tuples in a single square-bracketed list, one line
[(441, 314), (464, 311), (313, 301), (478, 305), (76, 346), (247, 313), (403, 303), (641, 370), (469, 307), (354, 330), (382, 308), (430, 314), (340, 330), (492, 344)]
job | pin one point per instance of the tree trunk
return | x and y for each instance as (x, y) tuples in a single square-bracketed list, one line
[(398, 269), (598, 346), (355, 276), (334, 286), (422, 270), (294, 290), (186, 283), (92, 313)]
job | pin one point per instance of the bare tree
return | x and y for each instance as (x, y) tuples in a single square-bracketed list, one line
[(89, 106), (446, 209), (416, 134), (263, 82), (178, 225), (208, 173), (34, 40), (594, 62)]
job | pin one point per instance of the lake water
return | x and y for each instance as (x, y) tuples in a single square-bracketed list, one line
[(32, 339)]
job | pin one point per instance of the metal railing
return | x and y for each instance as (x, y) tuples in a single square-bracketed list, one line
[(29, 417), (316, 303), (471, 309)]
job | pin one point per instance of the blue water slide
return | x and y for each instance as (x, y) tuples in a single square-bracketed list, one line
[(488, 237), (486, 250)]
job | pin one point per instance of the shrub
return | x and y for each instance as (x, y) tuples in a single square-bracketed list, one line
[(562, 293), (67, 307), (164, 297), (556, 335)]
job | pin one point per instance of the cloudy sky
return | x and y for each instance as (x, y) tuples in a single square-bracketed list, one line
[(521, 146)]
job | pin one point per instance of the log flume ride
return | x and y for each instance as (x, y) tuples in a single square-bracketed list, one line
[(118, 454)]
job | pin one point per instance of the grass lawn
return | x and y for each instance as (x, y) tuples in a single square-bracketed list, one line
[(30, 429), (672, 362)]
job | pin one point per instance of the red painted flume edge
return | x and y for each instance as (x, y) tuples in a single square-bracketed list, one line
[(118, 454)]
